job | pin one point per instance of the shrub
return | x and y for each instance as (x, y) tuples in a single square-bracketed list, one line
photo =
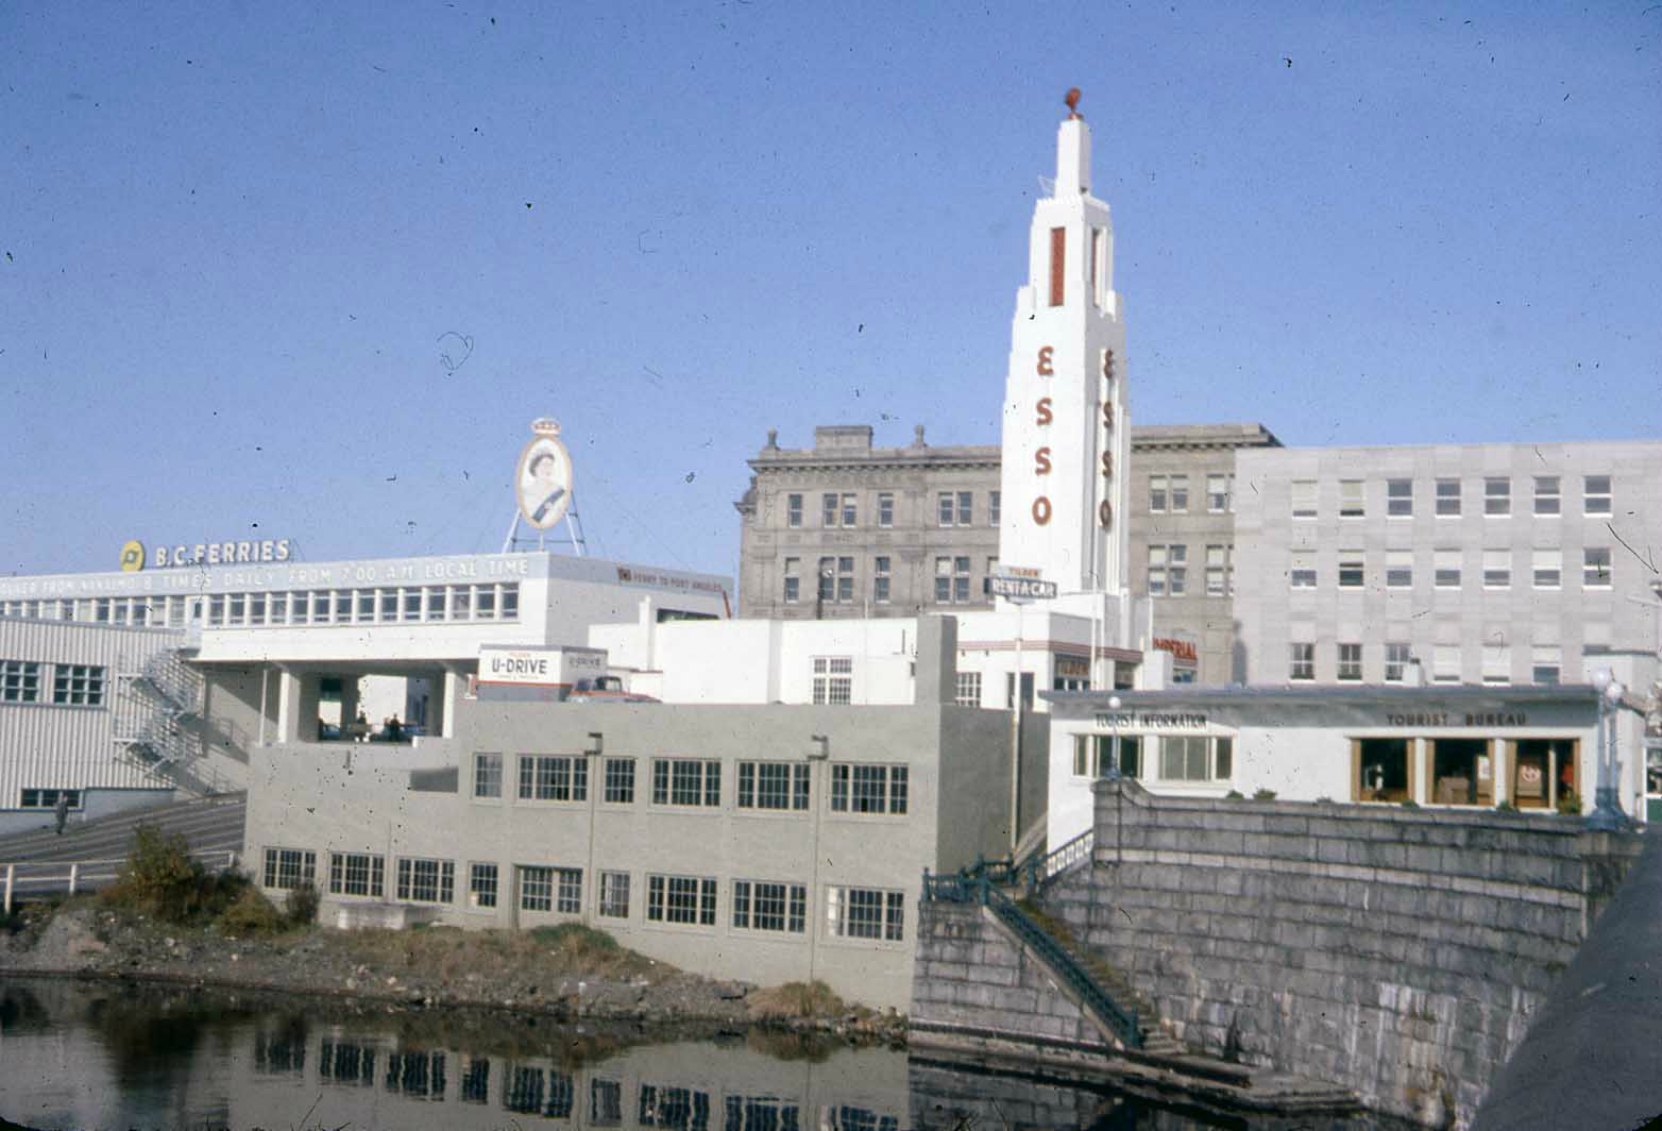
[(1569, 803), (251, 913), (1234, 795), (1506, 807), (1263, 795), (301, 906), (1410, 803), (160, 878)]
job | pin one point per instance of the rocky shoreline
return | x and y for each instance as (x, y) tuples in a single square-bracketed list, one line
[(566, 976)]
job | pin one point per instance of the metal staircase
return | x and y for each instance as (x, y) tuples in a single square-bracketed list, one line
[(159, 725)]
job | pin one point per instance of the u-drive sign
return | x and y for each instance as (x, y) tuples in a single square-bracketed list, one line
[(1017, 588)]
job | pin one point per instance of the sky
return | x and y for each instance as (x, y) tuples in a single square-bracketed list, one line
[(309, 271)]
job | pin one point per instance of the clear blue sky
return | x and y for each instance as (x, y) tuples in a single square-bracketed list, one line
[(238, 244)]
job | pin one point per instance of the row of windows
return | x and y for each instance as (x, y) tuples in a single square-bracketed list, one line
[(1169, 494), (385, 605), (842, 509), (1546, 662), (777, 906), (1546, 569), (1187, 758), (73, 685), (49, 798), (838, 580), (696, 783), (1447, 497), (1168, 570)]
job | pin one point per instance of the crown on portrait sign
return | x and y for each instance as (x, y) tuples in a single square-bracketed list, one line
[(545, 426)]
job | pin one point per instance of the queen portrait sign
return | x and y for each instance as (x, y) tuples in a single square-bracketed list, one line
[(542, 481)]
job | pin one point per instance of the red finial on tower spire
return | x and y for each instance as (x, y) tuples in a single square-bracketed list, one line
[(1072, 100)]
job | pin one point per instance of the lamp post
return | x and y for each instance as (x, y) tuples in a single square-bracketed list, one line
[(1114, 705), (1607, 815)]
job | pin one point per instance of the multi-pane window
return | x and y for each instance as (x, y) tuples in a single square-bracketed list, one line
[(833, 680), (828, 509), (1497, 569), (357, 873), (968, 690), (866, 913), (1301, 569), (1180, 494), (426, 881), (1445, 569), (1399, 498), (850, 509), (1168, 570), (1196, 758), (1548, 496), (481, 884), (681, 899), (1497, 496), (881, 579), (1448, 498), (995, 507), (1399, 569), (966, 508), (1595, 567), (1302, 493), (289, 868), (793, 580), (836, 579), (885, 508), (1350, 662), (1220, 573), (19, 681), (688, 782), (1159, 493), (945, 508), (952, 580), (793, 511), (955, 508), (1219, 488), (1595, 496), (553, 777), (860, 788), (48, 798), (487, 775), (1301, 661), (1350, 498), (1351, 571), (620, 781), (1548, 569), (542, 888), (763, 905), (1397, 657), (78, 685), (614, 895), (773, 785)]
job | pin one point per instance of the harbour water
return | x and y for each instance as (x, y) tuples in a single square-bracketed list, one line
[(115, 1055)]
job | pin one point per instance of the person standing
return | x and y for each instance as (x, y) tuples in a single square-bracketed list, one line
[(60, 811)]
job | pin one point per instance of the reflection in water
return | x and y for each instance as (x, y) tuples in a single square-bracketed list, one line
[(77, 1055)]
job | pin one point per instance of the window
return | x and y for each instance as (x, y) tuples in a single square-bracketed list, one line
[(1545, 662), (1445, 573), (1093, 755), (1448, 498), (487, 775), (1497, 569), (850, 510), (1497, 496), (885, 509), (681, 899), (1350, 569), (357, 873), (426, 881), (1548, 569), (966, 508), (1382, 769), (1350, 662), (1302, 661), (945, 508), (1497, 664), (481, 884), (19, 681), (1595, 567), (828, 510), (1196, 758), (880, 580), (834, 680), (389, 604), (1548, 500), (1350, 498), (866, 913), (760, 905), (1595, 497), (836, 579), (1445, 663), (1399, 569), (1219, 488), (687, 782), (78, 685), (773, 785), (968, 691), (605, 1103), (1303, 493), (675, 1109), (1159, 494), (1397, 659), (793, 511), (48, 798), (614, 895), (857, 788), (995, 507), (1180, 494), (1399, 498), (1168, 573), (543, 888), (1220, 574), (793, 580), (952, 580), (553, 777), (1301, 570), (289, 868), (620, 781)]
